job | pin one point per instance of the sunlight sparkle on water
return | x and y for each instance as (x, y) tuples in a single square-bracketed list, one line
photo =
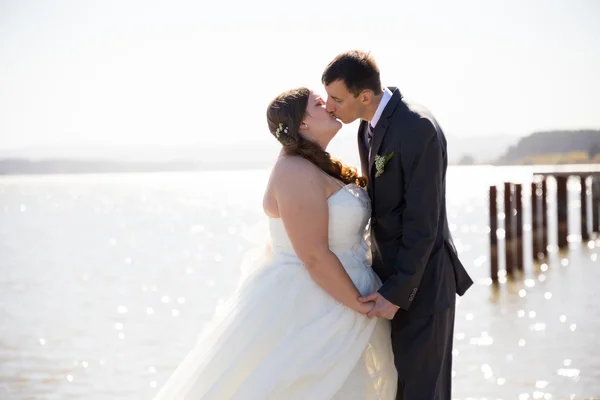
[(483, 340), (529, 283), (538, 327), (568, 372), (487, 371)]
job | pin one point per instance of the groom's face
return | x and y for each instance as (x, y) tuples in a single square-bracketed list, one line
[(342, 103)]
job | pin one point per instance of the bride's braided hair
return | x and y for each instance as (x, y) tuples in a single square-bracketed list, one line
[(284, 116)]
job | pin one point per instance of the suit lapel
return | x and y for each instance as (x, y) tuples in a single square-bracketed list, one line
[(382, 126)]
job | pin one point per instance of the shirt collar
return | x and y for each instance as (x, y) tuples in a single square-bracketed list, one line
[(387, 95)]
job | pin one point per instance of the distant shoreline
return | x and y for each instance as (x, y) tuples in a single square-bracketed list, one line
[(66, 166), (24, 167), (11, 167)]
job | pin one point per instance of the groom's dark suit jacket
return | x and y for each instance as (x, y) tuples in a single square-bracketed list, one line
[(413, 251)]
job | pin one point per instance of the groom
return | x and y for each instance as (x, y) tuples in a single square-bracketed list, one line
[(403, 153)]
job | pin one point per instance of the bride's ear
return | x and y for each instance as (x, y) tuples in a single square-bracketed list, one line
[(303, 126)]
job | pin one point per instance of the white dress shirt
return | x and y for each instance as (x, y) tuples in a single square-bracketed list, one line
[(387, 95)]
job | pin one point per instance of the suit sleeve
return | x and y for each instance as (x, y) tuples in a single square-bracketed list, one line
[(422, 164)]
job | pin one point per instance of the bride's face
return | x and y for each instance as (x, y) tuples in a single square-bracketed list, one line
[(318, 123)]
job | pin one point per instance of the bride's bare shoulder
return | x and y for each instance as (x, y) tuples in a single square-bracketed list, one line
[(293, 176), (296, 169)]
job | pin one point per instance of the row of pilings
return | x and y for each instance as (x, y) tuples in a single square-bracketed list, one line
[(512, 210)]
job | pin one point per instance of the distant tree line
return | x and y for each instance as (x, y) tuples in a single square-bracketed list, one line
[(555, 147)]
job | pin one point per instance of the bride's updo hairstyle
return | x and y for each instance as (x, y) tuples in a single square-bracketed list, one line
[(284, 116)]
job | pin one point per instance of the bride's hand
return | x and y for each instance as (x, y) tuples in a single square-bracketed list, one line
[(364, 308)]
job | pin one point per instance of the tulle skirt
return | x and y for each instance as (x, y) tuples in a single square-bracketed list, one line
[(283, 337)]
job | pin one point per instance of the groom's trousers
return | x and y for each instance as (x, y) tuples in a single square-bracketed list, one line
[(423, 355)]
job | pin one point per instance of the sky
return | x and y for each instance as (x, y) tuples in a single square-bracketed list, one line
[(179, 73)]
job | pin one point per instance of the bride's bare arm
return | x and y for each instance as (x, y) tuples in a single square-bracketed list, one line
[(301, 200)]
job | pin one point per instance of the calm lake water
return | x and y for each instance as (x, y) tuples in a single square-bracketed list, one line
[(106, 281)]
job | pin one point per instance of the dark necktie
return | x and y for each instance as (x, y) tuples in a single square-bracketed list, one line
[(370, 130)]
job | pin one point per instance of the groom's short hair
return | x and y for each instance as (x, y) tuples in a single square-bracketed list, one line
[(357, 69)]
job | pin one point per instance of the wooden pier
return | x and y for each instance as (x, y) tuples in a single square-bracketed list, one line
[(513, 198)]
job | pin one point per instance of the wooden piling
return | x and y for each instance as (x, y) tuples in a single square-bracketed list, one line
[(562, 211), (585, 235), (596, 204), (535, 222), (509, 226), (519, 225), (545, 218), (493, 234)]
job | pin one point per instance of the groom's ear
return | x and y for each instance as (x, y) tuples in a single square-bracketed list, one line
[(366, 96)]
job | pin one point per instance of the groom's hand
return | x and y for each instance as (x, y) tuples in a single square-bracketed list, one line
[(382, 309)]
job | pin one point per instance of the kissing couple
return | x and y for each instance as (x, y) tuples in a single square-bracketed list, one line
[(356, 296)]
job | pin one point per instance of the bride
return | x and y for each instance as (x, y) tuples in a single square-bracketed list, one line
[(294, 328)]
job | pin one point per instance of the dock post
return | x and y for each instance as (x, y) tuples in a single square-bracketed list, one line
[(585, 235), (509, 217), (535, 222), (493, 234), (519, 225), (562, 211)]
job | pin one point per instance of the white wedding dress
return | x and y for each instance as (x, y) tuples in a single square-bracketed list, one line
[(282, 337)]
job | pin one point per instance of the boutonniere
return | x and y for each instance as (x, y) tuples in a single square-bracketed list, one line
[(380, 162)]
